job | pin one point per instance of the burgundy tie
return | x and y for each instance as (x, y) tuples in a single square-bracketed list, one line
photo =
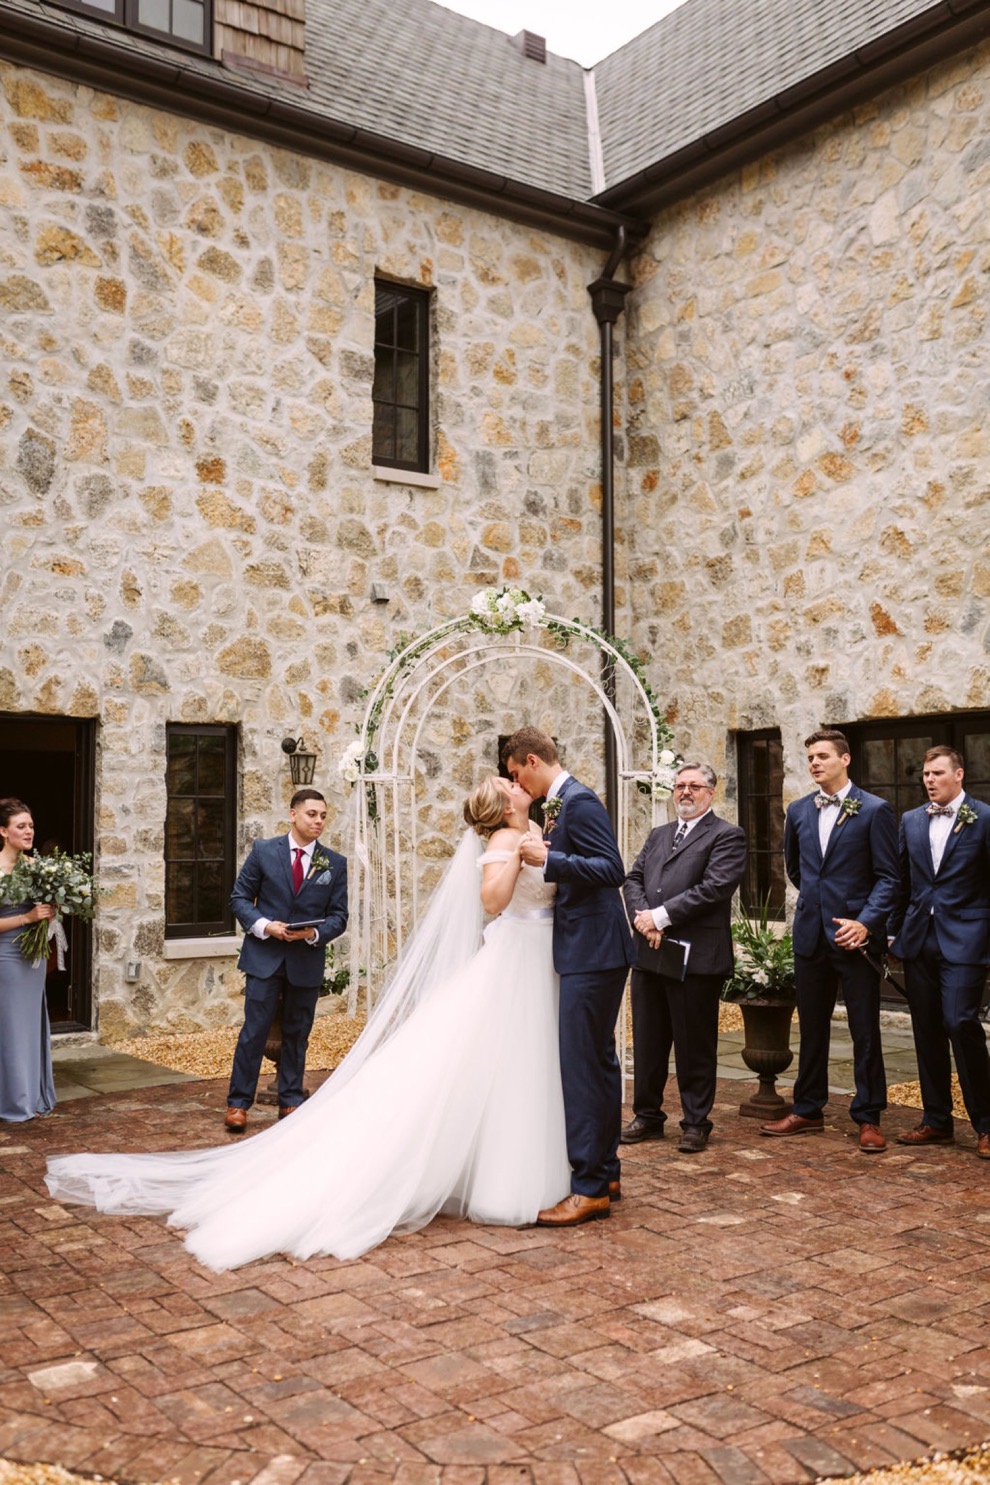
[(297, 867)]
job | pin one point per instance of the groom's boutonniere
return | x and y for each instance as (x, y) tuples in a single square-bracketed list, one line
[(849, 806), (551, 809), (965, 816)]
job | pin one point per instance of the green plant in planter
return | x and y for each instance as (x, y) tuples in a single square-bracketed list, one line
[(335, 981), (764, 961)]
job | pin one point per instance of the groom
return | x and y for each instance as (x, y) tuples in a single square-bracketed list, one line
[(592, 952)]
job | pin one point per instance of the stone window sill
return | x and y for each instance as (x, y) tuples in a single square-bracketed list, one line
[(202, 948), (406, 477)]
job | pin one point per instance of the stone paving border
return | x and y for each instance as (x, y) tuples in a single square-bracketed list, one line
[(770, 1311)]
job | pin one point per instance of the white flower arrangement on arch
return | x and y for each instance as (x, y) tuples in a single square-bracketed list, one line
[(500, 611), (665, 773)]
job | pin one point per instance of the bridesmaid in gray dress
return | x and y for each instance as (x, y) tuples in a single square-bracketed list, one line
[(27, 1088)]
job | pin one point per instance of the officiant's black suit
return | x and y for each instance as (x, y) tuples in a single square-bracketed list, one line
[(695, 883)]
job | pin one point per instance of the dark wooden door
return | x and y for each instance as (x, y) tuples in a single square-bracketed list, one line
[(49, 763)]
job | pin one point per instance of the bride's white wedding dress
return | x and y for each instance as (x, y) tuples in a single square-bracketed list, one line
[(450, 1102)]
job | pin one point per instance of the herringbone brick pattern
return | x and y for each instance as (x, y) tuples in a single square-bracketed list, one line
[(770, 1311)]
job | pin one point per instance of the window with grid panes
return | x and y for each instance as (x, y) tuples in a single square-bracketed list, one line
[(200, 830), (760, 761), (400, 431), (184, 23)]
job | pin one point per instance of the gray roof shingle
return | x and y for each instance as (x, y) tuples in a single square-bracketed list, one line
[(413, 72), (711, 61), (417, 72)]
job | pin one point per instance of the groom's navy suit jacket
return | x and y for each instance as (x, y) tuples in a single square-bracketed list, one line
[(955, 899), (858, 876), (264, 889), (590, 932)]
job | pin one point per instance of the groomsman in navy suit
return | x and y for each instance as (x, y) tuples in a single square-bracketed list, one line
[(840, 852), (592, 952), (941, 930), (287, 880)]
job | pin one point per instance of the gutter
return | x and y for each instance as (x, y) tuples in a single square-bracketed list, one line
[(939, 33), (163, 80), (608, 297)]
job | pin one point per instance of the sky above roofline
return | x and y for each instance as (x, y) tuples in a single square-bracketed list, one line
[(585, 32)]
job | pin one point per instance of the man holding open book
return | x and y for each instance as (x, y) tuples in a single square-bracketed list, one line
[(679, 897)]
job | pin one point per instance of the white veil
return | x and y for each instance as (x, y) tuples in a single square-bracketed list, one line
[(193, 1184), (445, 938)]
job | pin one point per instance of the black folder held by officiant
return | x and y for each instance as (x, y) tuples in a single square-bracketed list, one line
[(670, 960)]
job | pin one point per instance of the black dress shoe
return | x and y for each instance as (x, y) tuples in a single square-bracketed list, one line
[(641, 1129), (693, 1140)]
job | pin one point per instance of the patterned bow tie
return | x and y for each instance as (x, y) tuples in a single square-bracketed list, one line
[(821, 800), (939, 809)]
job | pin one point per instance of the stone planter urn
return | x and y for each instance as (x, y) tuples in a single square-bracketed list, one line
[(767, 1052)]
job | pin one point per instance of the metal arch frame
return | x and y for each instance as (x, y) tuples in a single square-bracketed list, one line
[(388, 713)]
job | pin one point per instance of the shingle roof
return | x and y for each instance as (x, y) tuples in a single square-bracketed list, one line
[(417, 72), (711, 61)]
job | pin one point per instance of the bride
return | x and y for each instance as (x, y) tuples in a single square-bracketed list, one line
[(449, 1101)]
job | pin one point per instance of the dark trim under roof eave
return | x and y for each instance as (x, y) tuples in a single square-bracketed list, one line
[(939, 33), (163, 80)]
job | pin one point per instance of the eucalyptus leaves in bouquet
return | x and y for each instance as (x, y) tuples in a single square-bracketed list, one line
[(59, 880), (764, 961)]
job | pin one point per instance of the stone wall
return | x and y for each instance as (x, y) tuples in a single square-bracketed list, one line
[(192, 526), (806, 427)]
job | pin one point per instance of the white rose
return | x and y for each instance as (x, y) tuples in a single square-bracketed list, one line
[(667, 757), (531, 613)]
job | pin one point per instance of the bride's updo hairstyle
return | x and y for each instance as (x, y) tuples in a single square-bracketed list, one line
[(484, 808)]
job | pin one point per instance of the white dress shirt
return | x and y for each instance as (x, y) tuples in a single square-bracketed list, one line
[(557, 784), (828, 816), (258, 929), (940, 827), (660, 915)]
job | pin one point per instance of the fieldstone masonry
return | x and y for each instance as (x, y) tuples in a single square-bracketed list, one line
[(192, 525), (807, 430)]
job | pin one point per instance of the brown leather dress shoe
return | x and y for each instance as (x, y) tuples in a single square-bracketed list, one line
[(573, 1210), (983, 1146), (285, 1109), (615, 1189), (794, 1124), (924, 1134), (871, 1141), (235, 1120)]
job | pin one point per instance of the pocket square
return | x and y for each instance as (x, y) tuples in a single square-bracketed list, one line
[(323, 879)]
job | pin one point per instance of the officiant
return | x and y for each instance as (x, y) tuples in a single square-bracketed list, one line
[(290, 898), (679, 898)]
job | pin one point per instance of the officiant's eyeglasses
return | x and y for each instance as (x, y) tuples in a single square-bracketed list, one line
[(691, 788)]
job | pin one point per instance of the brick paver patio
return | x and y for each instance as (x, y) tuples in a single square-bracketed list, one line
[(769, 1311)]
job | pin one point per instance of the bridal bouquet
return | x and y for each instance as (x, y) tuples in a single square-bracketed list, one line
[(63, 881)]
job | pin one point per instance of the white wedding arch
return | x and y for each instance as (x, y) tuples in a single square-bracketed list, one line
[(503, 627)]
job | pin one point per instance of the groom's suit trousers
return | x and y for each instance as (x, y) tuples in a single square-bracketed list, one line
[(589, 1007)]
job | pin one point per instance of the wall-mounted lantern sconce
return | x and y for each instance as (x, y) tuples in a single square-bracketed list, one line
[(302, 765)]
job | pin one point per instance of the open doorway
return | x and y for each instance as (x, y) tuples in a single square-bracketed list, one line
[(49, 762)]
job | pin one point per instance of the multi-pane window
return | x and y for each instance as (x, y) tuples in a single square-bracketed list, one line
[(761, 815), (200, 826), (400, 432), (185, 23), (887, 756)]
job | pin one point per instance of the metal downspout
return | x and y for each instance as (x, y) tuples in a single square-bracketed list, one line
[(607, 300)]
